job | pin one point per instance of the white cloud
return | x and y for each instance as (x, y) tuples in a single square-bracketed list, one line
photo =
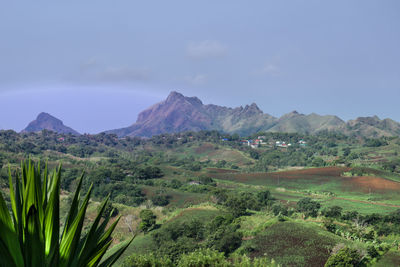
[(196, 79), (206, 49)]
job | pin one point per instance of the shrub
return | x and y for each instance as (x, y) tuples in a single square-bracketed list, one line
[(147, 260), (265, 198), (160, 200), (333, 212), (148, 220), (236, 206), (279, 209), (308, 207), (346, 257), (203, 257)]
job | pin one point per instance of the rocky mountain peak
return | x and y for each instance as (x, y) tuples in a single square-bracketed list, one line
[(46, 117), (174, 96), (45, 121), (253, 109)]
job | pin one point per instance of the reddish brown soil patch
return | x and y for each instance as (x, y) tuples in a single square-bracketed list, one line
[(317, 174), (363, 184), (204, 148), (216, 170), (371, 184), (328, 171)]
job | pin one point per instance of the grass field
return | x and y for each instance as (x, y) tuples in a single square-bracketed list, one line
[(367, 194)]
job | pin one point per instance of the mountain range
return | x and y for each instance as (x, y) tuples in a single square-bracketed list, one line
[(179, 113)]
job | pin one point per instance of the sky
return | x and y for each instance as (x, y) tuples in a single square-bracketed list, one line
[(96, 64)]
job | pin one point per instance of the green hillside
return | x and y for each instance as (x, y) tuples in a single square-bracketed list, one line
[(216, 198)]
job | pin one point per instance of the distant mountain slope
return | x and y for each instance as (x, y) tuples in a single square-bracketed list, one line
[(312, 123), (179, 113), (48, 122), (372, 127)]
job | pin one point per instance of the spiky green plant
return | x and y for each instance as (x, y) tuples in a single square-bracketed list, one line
[(30, 234)]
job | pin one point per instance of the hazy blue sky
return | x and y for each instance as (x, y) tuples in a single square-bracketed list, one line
[(96, 64)]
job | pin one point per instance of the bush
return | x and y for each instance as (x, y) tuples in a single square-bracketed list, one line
[(236, 206), (203, 257), (147, 260), (346, 257), (333, 212), (148, 220), (308, 207), (279, 209), (265, 198), (175, 183), (329, 225), (223, 235), (160, 200)]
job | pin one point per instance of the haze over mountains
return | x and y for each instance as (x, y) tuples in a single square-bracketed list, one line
[(179, 113)]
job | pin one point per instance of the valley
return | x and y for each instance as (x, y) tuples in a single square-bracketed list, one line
[(195, 179)]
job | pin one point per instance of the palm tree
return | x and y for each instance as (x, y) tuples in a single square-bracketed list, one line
[(30, 234)]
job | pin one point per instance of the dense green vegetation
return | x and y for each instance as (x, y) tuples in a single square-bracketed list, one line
[(207, 198)]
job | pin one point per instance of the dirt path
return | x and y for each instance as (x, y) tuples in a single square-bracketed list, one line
[(367, 202)]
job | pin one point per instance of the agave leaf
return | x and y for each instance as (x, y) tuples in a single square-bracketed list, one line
[(74, 208), (52, 222), (89, 242), (12, 196), (38, 196), (70, 239), (109, 231), (31, 236), (100, 230), (45, 186), (8, 237), (94, 261), (33, 242), (18, 200), (29, 194), (114, 257), (5, 256)]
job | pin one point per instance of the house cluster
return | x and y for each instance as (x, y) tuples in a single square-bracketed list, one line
[(282, 144), (302, 143), (260, 141), (254, 143)]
